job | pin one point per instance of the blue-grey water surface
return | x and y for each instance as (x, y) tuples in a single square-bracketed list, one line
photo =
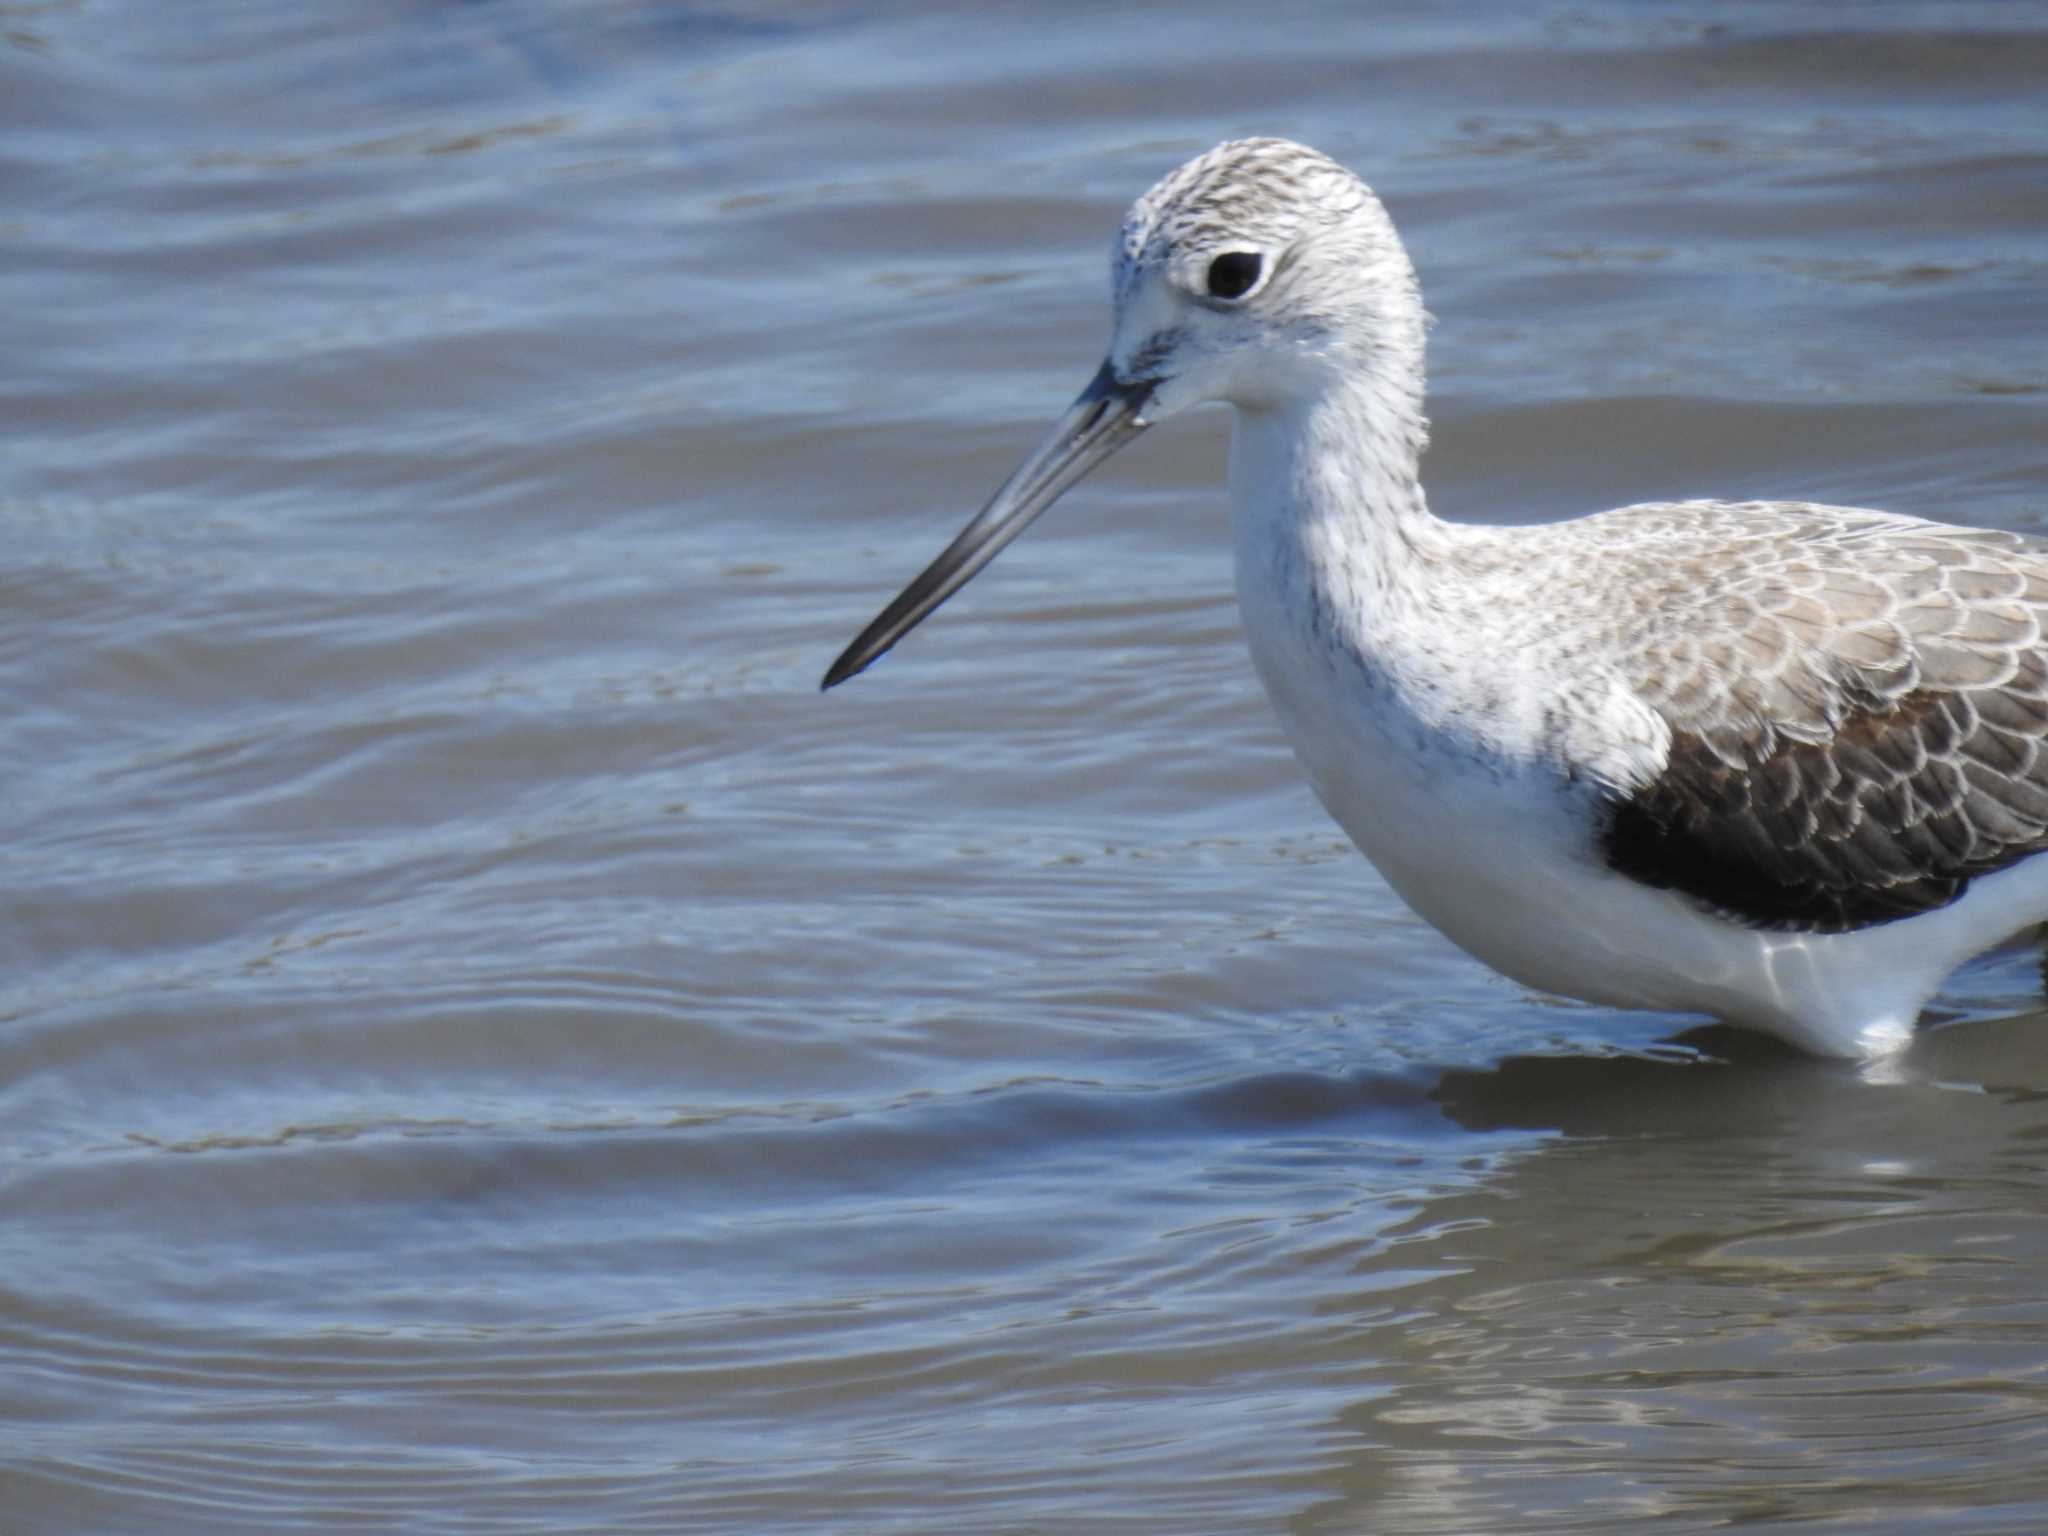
[(485, 1046)]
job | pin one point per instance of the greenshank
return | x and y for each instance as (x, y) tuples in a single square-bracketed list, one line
[(1773, 762)]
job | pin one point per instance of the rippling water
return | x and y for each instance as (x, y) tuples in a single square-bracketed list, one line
[(484, 1046)]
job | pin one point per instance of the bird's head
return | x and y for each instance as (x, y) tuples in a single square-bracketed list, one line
[(1258, 274)]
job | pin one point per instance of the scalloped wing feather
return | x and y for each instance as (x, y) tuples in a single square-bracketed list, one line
[(1858, 705)]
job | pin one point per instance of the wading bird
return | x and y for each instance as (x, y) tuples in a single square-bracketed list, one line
[(1774, 762)]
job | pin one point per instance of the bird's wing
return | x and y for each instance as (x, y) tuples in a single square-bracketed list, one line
[(1858, 709)]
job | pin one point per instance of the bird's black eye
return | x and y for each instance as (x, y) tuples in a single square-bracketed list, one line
[(1232, 274)]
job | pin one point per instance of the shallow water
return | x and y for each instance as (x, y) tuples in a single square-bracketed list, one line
[(485, 1046)]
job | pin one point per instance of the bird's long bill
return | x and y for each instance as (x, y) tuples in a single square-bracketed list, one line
[(1105, 416)]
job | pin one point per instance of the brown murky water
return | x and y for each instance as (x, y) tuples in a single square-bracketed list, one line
[(486, 1047)]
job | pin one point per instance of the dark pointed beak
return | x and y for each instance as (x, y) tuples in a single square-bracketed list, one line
[(1105, 416)]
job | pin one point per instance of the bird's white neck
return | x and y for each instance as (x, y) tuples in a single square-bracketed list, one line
[(1327, 498)]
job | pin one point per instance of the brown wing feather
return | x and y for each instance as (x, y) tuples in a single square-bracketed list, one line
[(1862, 742)]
